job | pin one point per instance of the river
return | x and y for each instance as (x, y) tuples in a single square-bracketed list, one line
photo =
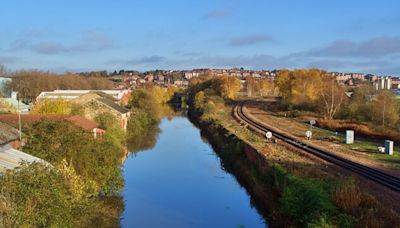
[(180, 182)]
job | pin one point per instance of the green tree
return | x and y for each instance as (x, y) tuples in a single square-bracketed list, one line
[(359, 104)]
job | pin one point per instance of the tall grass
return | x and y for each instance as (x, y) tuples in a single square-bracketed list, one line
[(346, 194)]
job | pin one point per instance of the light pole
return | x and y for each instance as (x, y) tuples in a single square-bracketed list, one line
[(19, 123)]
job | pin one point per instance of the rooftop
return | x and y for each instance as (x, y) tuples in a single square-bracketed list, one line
[(8, 133), (11, 158)]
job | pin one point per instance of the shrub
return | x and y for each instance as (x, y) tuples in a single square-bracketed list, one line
[(305, 200), (347, 195), (40, 197), (93, 160)]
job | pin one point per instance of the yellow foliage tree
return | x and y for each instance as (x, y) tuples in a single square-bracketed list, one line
[(47, 106), (228, 87), (301, 87), (76, 184), (267, 87), (162, 94), (306, 87), (284, 82)]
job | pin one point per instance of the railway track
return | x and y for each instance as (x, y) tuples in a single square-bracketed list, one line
[(375, 175)]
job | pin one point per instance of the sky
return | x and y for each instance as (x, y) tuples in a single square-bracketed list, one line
[(84, 35)]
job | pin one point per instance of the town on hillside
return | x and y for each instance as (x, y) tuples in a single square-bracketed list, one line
[(15, 110)]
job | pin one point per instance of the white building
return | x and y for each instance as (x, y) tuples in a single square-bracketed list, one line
[(383, 83), (189, 75), (73, 94)]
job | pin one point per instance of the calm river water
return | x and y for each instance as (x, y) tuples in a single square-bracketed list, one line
[(180, 183)]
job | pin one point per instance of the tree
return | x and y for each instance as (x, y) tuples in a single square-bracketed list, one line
[(58, 106), (284, 82), (266, 87), (384, 109), (29, 84), (332, 96), (359, 105), (143, 99), (162, 95), (252, 86), (199, 100), (306, 86), (228, 87)]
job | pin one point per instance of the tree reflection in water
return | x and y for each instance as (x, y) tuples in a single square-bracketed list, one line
[(148, 140)]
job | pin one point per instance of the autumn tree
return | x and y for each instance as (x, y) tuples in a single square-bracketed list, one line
[(306, 87), (58, 106), (284, 82), (199, 100), (228, 87), (252, 86), (267, 87), (332, 96), (384, 109)]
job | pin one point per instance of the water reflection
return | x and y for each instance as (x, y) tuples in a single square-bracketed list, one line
[(147, 140), (179, 182), (143, 142)]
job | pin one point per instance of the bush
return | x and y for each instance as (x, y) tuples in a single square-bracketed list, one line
[(114, 132), (305, 200), (39, 197), (93, 160)]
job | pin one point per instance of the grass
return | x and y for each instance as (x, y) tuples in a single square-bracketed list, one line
[(392, 160)]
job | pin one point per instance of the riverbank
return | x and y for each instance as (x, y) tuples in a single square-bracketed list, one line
[(290, 188)]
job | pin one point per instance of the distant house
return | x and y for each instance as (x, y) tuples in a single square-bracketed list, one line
[(85, 124), (181, 83), (96, 103), (10, 156), (121, 96)]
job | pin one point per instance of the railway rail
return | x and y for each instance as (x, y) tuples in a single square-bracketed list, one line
[(375, 175)]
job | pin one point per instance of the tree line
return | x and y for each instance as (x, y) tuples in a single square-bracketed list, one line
[(317, 90), (29, 84)]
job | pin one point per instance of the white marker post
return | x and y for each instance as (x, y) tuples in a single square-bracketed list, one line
[(308, 134), (268, 135)]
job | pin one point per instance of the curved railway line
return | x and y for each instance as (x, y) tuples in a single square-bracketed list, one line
[(375, 175)]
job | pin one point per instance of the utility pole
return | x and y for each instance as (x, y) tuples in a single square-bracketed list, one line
[(19, 122)]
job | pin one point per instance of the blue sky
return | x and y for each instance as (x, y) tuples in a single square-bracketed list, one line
[(357, 36)]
